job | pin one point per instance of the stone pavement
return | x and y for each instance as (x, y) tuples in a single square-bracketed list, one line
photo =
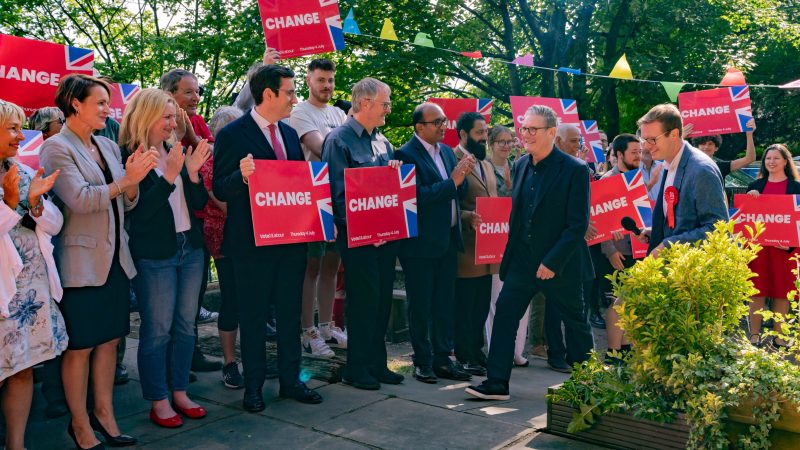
[(410, 415)]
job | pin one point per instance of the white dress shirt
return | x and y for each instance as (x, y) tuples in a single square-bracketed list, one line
[(436, 155), (264, 125), (672, 166)]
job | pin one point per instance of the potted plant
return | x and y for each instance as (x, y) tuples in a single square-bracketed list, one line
[(691, 361)]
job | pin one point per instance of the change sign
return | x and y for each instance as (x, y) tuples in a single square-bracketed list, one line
[(616, 197), (491, 236), (121, 95), (454, 107), (301, 27), (780, 215), (716, 111)]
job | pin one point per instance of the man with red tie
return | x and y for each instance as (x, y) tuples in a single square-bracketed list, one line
[(268, 274)]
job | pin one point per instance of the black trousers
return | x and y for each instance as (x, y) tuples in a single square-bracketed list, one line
[(562, 299), (261, 281), (471, 307), (369, 276), (228, 312), (430, 288)]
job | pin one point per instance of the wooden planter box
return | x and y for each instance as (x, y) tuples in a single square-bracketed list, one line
[(623, 431)]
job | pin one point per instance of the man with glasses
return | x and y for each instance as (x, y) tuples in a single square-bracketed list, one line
[(546, 251), (269, 274), (473, 287), (691, 196), (369, 270), (429, 260)]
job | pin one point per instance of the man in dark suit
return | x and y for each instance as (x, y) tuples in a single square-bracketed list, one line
[(429, 260), (691, 195), (370, 269), (546, 250), (269, 274)]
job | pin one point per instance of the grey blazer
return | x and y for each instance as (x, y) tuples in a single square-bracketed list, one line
[(85, 246), (701, 201)]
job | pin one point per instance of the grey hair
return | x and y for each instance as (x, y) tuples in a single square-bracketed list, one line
[(547, 113), (367, 88), (561, 130), (41, 118), (169, 81), (223, 116)]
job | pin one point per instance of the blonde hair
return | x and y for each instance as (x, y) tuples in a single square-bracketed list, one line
[(9, 112), (145, 108)]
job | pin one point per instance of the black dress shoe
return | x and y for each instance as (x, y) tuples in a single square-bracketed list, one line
[(200, 363), (474, 369), (253, 401), (489, 390), (122, 440), (559, 366), (597, 321), (386, 376), (452, 372), (425, 374), (302, 394), (362, 381)]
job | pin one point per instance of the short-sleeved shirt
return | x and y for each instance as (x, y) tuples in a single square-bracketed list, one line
[(307, 118)]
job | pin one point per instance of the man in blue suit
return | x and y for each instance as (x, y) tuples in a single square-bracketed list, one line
[(546, 250), (429, 260), (268, 274), (691, 195)]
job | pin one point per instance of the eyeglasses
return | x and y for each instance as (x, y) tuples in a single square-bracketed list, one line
[(504, 143), (437, 122), (531, 130), (386, 105), (289, 92), (653, 140)]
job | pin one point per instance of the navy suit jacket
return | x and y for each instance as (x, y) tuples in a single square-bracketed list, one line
[(701, 201), (434, 202), (234, 142), (557, 220)]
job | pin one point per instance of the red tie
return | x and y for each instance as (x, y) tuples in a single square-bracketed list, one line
[(276, 142)]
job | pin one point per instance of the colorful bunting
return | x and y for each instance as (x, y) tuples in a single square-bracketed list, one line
[(734, 77), (672, 88), (526, 60), (388, 31), (474, 55), (792, 85), (423, 39), (570, 70), (350, 25), (622, 69)]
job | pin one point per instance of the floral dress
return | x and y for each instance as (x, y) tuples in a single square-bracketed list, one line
[(34, 331)]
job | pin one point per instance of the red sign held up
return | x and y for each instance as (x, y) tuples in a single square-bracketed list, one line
[(716, 111), (491, 236), (779, 213), (454, 107), (301, 27), (613, 198)]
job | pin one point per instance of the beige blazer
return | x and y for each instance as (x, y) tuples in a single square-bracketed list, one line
[(85, 246), (476, 188)]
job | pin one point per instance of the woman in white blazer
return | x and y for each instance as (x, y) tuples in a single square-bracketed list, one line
[(94, 191), (31, 327)]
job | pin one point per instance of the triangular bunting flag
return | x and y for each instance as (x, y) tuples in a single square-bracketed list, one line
[(350, 26), (423, 39), (526, 60), (474, 55), (792, 85), (622, 69), (672, 88), (388, 31), (570, 70), (734, 77)]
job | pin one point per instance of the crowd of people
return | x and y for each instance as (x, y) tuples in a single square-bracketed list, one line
[(139, 209)]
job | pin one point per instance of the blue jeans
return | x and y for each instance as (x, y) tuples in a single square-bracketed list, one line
[(167, 291)]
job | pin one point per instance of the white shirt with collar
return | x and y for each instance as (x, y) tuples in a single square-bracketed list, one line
[(435, 153), (264, 124), (672, 167)]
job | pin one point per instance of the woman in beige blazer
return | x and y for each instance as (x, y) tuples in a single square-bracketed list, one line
[(94, 191)]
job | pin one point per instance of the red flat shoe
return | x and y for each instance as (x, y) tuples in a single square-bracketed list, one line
[(193, 413), (170, 422)]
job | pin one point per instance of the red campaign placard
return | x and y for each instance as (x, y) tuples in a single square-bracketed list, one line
[(566, 110), (591, 139), (121, 95), (716, 111), (779, 213), (301, 27), (290, 202), (640, 248), (30, 70), (381, 204), (491, 236), (454, 107), (613, 198)]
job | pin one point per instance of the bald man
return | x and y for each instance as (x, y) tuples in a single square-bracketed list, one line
[(568, 139)]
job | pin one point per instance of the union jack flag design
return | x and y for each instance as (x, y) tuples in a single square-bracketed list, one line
[(334, 28), (454, 107), (319, 179), (566, 109), (408, 190), (79, 58), (744, 115), (128, 91), (739, 93), (591, 134), (569, 106), (633, 180), (29, 148), (616, 197)]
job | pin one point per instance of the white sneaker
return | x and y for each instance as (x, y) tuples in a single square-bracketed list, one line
[(207, 316), (333, 335), (314, 344)]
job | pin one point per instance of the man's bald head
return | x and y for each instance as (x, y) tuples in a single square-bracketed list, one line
[(568, 139), (429, 122)]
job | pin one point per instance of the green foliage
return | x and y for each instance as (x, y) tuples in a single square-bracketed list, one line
[(682, 313)]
